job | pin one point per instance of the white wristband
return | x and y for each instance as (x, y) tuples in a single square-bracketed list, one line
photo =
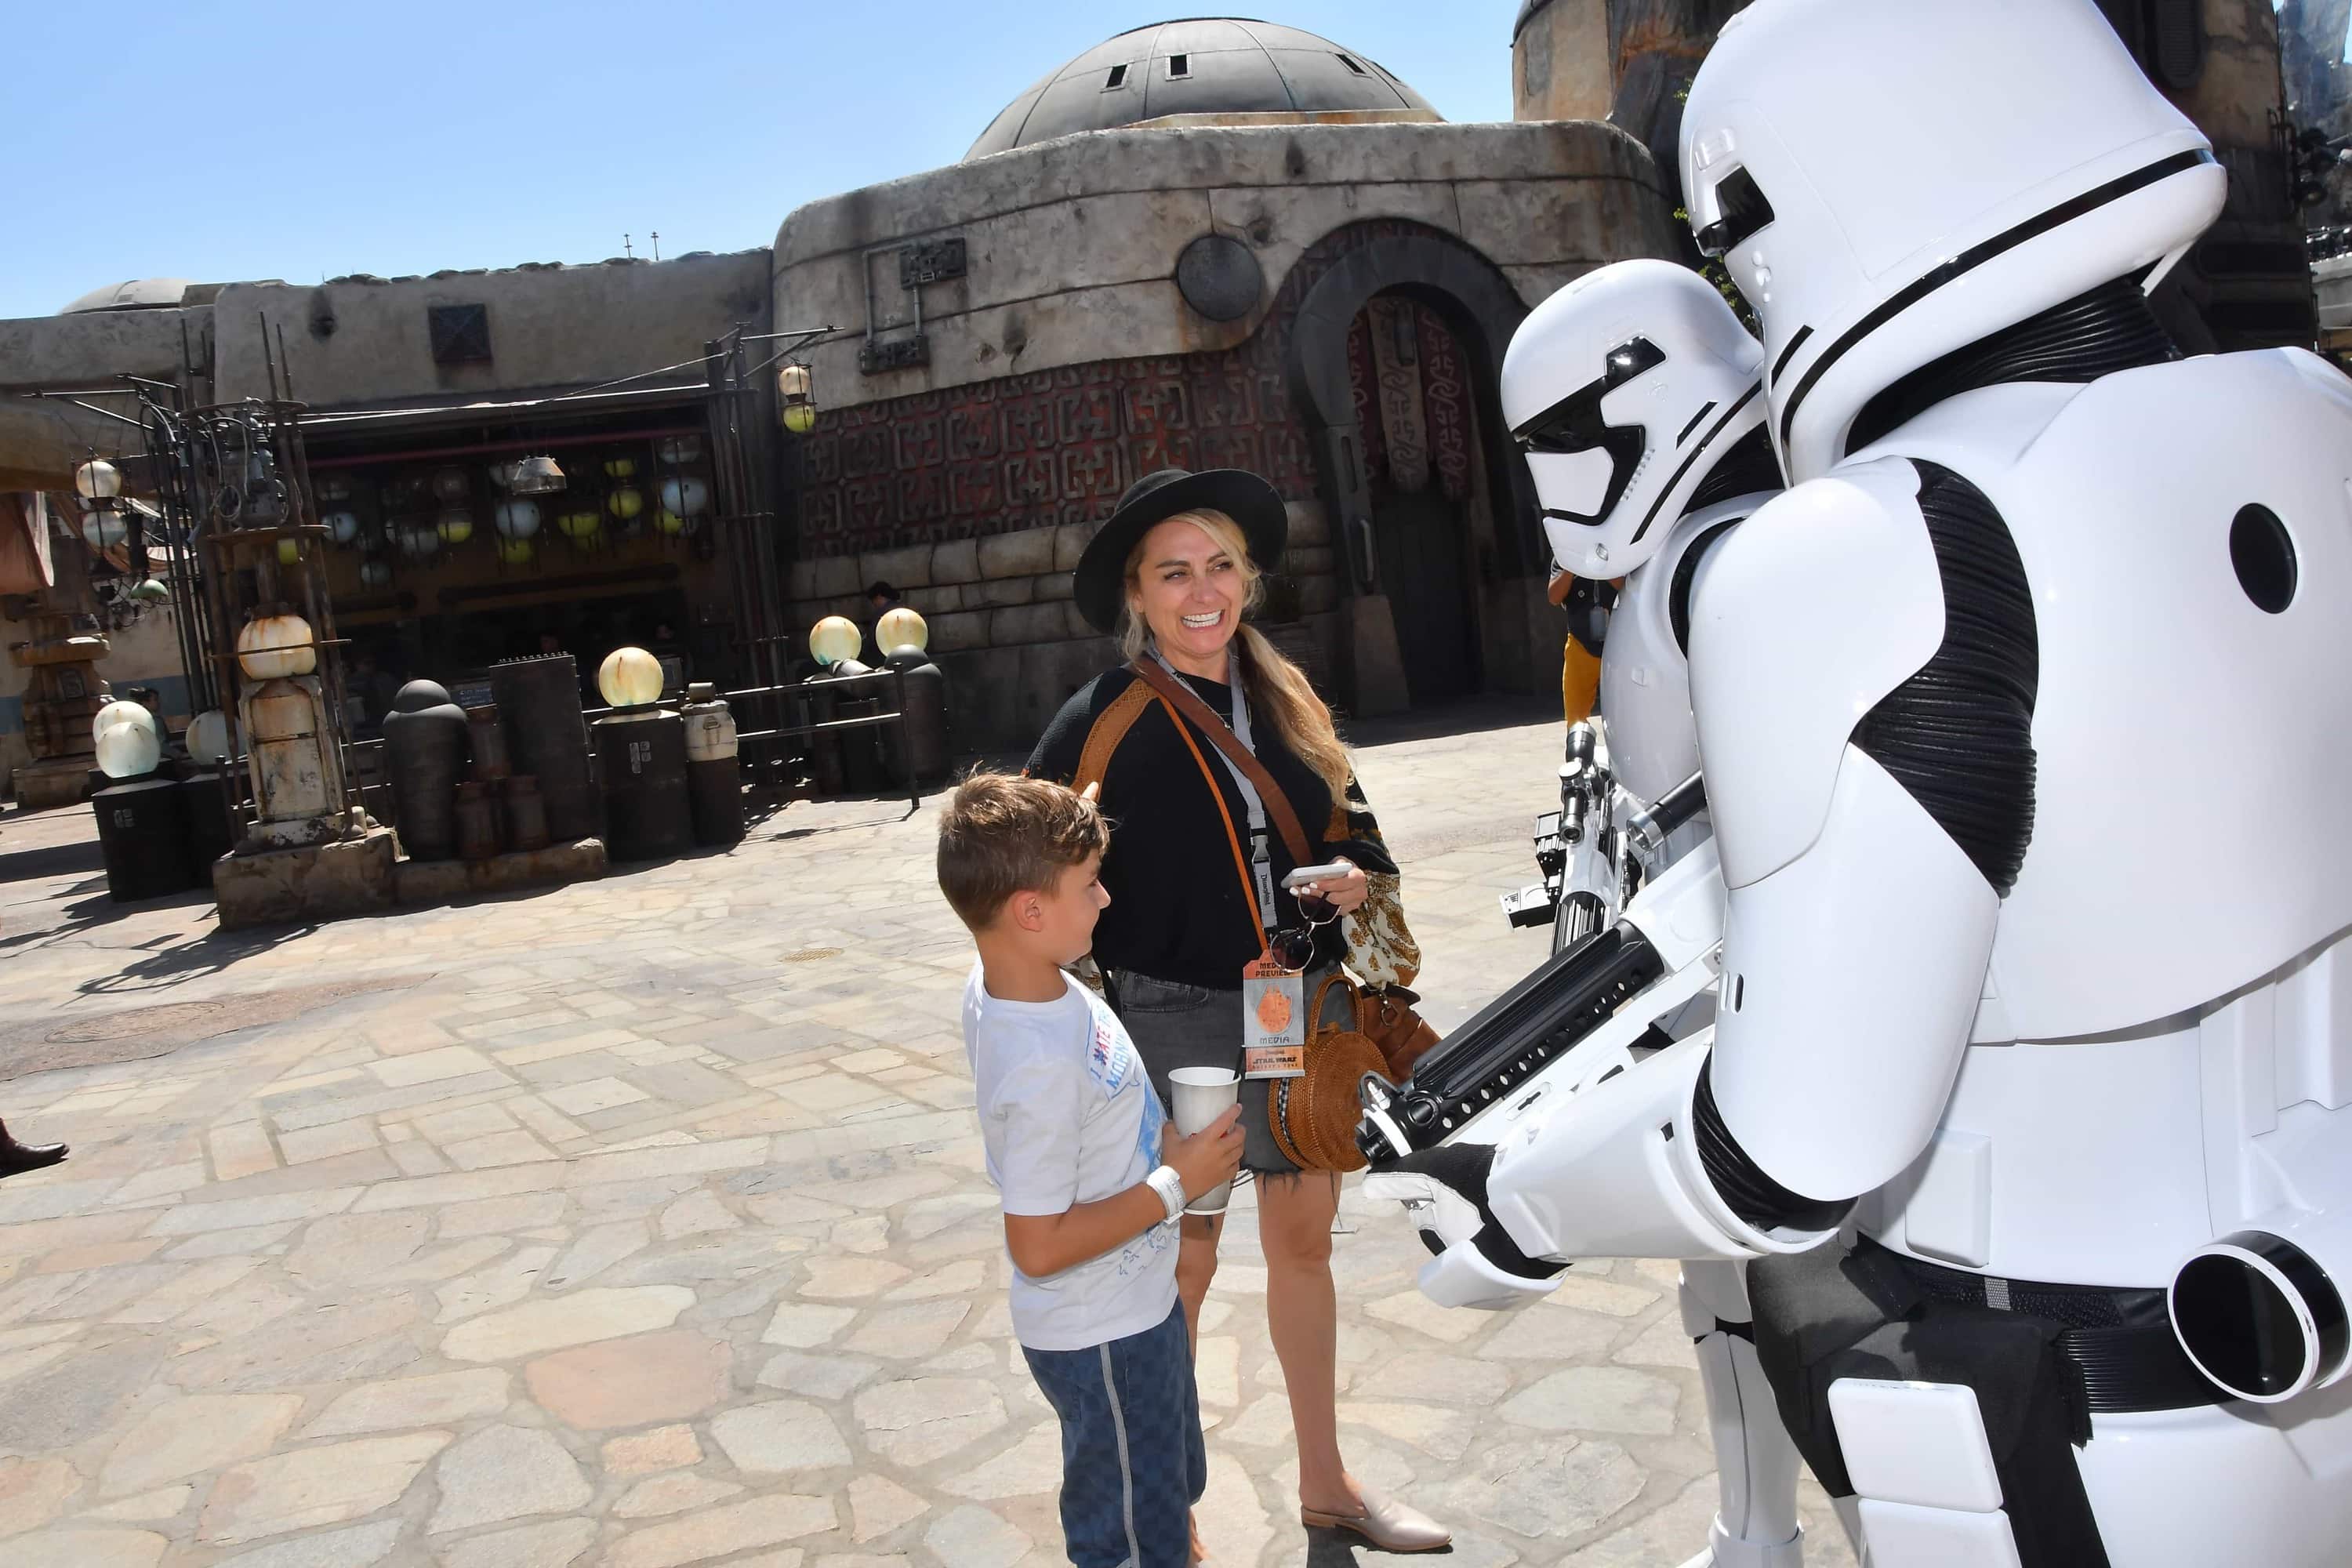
[(1171, 1188)]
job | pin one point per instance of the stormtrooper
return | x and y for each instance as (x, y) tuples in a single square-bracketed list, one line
[(1636, 395), (2029, 1085)]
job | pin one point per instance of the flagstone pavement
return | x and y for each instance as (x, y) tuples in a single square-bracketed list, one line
[(642, 1223)]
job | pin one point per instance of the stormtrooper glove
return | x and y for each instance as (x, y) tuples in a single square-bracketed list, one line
[(1443, 1191)]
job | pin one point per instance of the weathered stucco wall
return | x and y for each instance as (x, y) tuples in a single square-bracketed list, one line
[(90, 348), (550, 327), (1072, 245), (1560, 61)]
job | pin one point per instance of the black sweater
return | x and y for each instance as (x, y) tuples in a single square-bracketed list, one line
[(1177, 911)]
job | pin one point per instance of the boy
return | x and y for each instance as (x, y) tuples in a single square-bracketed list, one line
[(1072, 1133)]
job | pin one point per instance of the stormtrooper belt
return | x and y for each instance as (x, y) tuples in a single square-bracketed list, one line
[(2120, 1341)]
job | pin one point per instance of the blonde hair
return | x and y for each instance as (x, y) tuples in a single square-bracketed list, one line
[(1275, 687), (1003, 834)]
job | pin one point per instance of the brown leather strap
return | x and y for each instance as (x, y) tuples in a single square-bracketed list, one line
[(1181, 698), (1111, 727)]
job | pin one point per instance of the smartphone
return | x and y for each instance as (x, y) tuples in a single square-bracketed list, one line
[(1306, 874)]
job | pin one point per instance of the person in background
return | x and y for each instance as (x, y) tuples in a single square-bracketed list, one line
[(883, 597), (1588, 604), (16, 1159)]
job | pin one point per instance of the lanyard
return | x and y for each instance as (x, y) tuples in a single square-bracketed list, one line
[(1261, 864)]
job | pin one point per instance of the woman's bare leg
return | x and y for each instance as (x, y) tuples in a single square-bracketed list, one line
[(1196, 1265), (1303, 1316)]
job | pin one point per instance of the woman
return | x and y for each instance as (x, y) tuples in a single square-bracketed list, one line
[(1172, 573)]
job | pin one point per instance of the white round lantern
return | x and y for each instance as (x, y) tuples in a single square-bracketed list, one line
[(676, 449), (342, 527), (687, 498), (834, 639), (901, 628), (104, 530), (450, 485), (98, 480), (630, 678), (128, 750), (375, 572), (517, 519), (275, 647), (418, 543), (208, 738), (454, 525), (120, 713)]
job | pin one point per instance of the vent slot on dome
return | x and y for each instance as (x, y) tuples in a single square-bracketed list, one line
[(1350, 61), (1179, 66), (1118, 79)]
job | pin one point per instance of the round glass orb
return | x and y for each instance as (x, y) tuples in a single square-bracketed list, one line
[(516, 519), (901, 628), (129, 752), (629, 677), (208, 738), (834, 639)]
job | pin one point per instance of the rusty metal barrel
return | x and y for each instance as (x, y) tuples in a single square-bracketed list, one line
[(425, 746), (539, 700), (526, 813), (714, 772), (648, 810)]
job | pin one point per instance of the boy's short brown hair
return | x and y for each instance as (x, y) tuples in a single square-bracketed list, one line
[(1003, 834)]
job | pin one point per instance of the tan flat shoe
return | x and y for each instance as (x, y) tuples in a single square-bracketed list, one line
[(1385, 1522)]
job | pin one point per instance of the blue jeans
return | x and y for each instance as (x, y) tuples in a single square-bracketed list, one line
[(1132, 1463)]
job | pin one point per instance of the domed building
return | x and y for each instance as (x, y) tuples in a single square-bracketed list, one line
[(1215, 242)]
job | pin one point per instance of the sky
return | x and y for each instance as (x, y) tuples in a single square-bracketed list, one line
[(241, 140)]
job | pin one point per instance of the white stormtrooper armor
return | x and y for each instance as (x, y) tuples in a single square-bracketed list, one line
[(1696, 402), (2051, 1017)]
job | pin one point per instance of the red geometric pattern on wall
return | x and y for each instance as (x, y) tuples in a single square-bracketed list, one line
[(1059, 445), (1445, 402), (1363, 391)]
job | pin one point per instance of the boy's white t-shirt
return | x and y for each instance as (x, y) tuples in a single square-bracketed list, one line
[(1067, 1115)]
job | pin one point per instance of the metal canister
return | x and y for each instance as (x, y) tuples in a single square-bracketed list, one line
[(925, 732), (526, 813), (648, 811), (478, 838), (489, 739), (424, 745), (538, 699), (143, 834), (714, 774)]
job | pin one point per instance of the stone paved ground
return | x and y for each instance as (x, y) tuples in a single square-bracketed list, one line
[(642, 1223)]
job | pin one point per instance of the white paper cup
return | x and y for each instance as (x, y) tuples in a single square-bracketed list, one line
[(1201, 1094)]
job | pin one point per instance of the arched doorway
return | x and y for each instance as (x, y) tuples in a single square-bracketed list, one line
[(1392, 360), (1409, 379)]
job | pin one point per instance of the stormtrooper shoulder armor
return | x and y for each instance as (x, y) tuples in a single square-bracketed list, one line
[(1884, 606)]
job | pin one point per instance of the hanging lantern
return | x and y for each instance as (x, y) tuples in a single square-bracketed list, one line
[(580, 524), (451, 485), (620, 468), (104, 530), (517, 551), (901, 628), (799, 393), (276, 647), (342, 527), (129, 752), (454, 525), (517, 519), (686, 497), (536, 477), (98, 479), (502, 475), (676, 449), (150, 592), (375, 572), (626, 502), (834, 639), (630, 678), (418, 543), (289, 552), (334, 488), (120, 713), (209, 742)]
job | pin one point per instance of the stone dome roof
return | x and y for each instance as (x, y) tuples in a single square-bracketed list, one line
[(1221, 65), (139, 294)]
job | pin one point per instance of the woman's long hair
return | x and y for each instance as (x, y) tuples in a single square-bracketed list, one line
[(1275, 687)]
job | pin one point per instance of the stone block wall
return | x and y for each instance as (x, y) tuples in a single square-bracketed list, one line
[(1002, 621)]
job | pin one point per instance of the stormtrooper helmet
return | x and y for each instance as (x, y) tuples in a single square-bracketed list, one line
[(1625, 389), (1888, 184)]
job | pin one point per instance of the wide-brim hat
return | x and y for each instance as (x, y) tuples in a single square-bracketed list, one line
[(1099, 585)]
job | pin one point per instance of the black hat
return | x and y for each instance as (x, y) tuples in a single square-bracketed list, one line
[(1099, 585)]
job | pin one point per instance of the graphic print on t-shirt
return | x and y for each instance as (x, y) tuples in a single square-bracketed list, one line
[(1112, 1059)]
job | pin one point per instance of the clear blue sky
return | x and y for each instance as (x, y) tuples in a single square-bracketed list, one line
[(246, 140)]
